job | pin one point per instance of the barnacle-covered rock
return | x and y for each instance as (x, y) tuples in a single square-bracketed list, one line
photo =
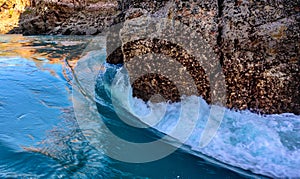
[(255, 42)]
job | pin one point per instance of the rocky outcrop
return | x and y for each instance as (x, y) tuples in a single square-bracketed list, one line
[(261, 50), (10, 11), (255, 42), (68, 17)]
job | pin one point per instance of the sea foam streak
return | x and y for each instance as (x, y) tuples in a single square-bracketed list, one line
[(264, 144)]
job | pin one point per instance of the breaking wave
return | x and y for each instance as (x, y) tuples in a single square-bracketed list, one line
[(263, 144)]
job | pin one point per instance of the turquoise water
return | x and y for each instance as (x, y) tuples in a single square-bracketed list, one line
[(48, 129)]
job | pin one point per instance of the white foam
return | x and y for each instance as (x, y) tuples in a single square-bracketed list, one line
[(267, 145)]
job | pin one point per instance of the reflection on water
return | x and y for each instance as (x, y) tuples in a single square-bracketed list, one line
[(39, 136), (36, 123), (47, 49)]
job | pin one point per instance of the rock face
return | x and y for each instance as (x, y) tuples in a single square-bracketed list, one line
[(261, 50), (68, 17), (10, 11), (255, 42)]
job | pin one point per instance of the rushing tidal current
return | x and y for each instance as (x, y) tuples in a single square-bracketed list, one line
[(60, 121)]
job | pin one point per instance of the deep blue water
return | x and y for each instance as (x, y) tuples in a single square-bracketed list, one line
[(57, 125)]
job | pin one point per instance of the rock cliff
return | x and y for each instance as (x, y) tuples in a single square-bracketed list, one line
[(255, 42), (67, 17)]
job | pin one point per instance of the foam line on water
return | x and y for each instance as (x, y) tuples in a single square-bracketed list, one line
[(262, 144)]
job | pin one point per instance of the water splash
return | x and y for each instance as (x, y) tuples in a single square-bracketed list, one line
[(264, 144)]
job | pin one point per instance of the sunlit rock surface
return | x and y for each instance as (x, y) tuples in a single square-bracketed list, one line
[(10, 11)]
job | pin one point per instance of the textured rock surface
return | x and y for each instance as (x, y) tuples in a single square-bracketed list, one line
[(261, 48), (68, 17), (10, 11), (256, 42)]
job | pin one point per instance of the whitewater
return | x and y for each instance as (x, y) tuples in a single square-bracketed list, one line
[(267, 145)]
